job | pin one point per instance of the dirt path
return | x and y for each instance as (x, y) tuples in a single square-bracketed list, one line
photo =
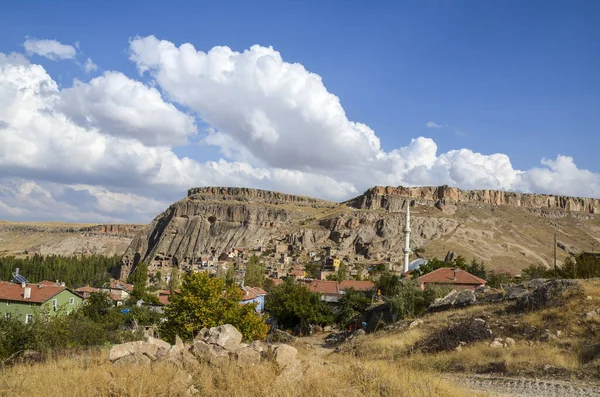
[(521, 387)]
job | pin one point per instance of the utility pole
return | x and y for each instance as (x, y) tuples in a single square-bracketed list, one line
[(554, 251)]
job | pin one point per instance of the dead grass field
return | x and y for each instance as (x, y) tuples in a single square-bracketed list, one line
[(94, 375), (550, 343)]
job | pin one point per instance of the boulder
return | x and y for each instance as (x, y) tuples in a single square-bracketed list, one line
[(135, 358), (592, 315), (549, 293), (125, 349), (455, 298), (225, 336), (162, 347), (514, 292), (510, 341), (415, 323), (285, 355), (496, 344), (202, 335), (464, 298), (210, 353), (247, 356)]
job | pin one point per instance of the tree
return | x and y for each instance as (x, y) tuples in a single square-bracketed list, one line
[(174, 281), (205, 302), (255, 272), (351, 304), (341, 273), (139, 275), (388, 284), (294, 305), (312, 269)]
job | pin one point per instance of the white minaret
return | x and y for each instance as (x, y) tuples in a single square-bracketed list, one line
[(406, 249)]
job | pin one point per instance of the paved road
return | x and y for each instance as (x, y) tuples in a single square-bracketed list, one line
[(520, 387)]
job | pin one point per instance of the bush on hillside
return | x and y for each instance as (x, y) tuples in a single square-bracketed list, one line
[(449, 338)]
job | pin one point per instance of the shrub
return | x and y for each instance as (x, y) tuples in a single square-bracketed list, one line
[(469, 330), (205, 302)]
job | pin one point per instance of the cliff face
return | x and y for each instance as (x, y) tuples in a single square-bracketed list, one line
[(505, 229), (393, 198), (213, 220)]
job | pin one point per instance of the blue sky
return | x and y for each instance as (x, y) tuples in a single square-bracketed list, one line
[(512, 77)]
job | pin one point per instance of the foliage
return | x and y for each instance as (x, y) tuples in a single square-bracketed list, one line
[(205, 302), (496, 280), (475, 268), (74, 271), (95, 324), (341, 273), (405, 297), (294, 305), (583, 266), (388, 284), (312, 269), (269, 284), (255, 272), (351, 304), (174, 280), (139, 275)]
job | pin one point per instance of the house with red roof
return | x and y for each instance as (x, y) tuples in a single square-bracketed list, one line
[(451, 277), (254, 295), (22, 301), (331, 291)]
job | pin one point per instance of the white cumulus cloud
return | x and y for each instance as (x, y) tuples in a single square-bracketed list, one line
[(117, 105), (50, 49), (90, 66), (102, 150)]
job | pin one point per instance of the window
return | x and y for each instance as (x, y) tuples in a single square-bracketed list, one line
[(7, 303), (54, 303), (28, 318), (72, 301)]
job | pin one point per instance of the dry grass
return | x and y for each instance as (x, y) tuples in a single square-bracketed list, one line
[(93, 375), (516, 360)]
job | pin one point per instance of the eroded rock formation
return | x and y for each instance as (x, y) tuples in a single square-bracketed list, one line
[(505, 229)]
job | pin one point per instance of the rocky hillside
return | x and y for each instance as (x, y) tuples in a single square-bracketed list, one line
[(65, 239), (503, 229)]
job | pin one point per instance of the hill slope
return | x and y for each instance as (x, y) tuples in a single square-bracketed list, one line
[(64, 238), (503, 229)]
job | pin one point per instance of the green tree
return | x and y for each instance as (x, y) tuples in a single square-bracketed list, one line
[(341, 273), (388, 284), (174, 281), (294, 305), (312, 269), (351, 304), (205, 302), (255, 272)]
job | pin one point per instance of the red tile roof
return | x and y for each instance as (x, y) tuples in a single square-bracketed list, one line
[(324, 287), (357, 285), (40, 293), (448, 275), (163, 299), (87, 288), (252, 293), (329, 287), (277, 281)]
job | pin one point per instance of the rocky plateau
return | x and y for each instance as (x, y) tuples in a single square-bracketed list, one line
[(503, 229)]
